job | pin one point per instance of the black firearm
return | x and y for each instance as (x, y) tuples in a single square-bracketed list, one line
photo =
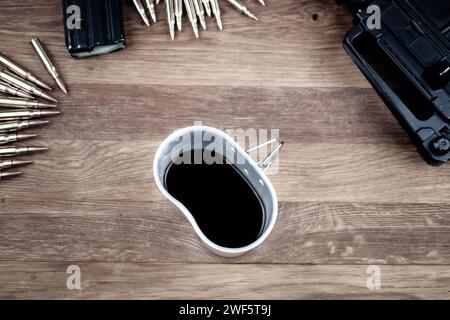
[(405, 56)]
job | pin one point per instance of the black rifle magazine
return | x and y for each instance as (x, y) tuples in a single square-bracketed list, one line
[(93, 27), (407, 62)]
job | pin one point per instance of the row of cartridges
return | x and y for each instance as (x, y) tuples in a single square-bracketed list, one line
[(20, 109), (196, 10)]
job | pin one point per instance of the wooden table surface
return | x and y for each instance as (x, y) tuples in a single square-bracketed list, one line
[(353, 191)]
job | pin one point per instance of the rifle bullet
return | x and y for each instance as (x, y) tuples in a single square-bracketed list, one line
[(51, 69), (9, 175), (140, 8), (151, 9), (26, 114), (242, 8), (8, 164), (200, 12), (16, 151), (5, 88), (24, 103), (171, 17), (8, 138), (28, 87), (190, 11), (17, 125), (14, 67), (179, 13), (207, 7), (216, 10)]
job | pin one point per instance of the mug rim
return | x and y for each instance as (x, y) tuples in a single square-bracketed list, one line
[(221, 250)]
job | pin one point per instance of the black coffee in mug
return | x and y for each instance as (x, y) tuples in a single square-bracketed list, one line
[(224, 204)]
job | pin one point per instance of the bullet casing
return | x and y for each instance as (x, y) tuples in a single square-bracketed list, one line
[(24, 85), (216, 10), (207, 7), (140, 8), (16, 151), (242, 8), (26, 114), (151, 9), (5, 88), (200, 12), (23, 104), (15, 81), (170, 9), (20, 71), (12, 126), (8, 164), (190, 11), (179, 13), (8, 138), (49, 65)]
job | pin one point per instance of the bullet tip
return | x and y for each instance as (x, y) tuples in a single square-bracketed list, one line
[(37, 149), (35, 123), (16, 163), (43, 85), (195, 30), (153, 15), (47, 105), (172, 31), (10, 174), (179, 23), (50, 112), (24, 95), (61, 85), (47, 97), (25, 136)]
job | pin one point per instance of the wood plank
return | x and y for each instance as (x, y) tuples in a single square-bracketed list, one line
[(306, 233), (287, 47), (127, 112), (224, 281), (122, 170)]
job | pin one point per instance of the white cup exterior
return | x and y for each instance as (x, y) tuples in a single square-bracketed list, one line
[(267, 193)]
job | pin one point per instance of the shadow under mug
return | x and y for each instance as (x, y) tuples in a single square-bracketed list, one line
[(191, 138)]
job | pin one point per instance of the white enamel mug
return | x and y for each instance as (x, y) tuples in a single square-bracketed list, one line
[(191, 138)]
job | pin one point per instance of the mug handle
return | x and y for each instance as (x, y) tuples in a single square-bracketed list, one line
[(268, 161)]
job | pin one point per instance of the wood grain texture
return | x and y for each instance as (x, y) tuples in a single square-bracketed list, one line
[(209, 281), (319, 233), (286, 36), (353, 190)]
